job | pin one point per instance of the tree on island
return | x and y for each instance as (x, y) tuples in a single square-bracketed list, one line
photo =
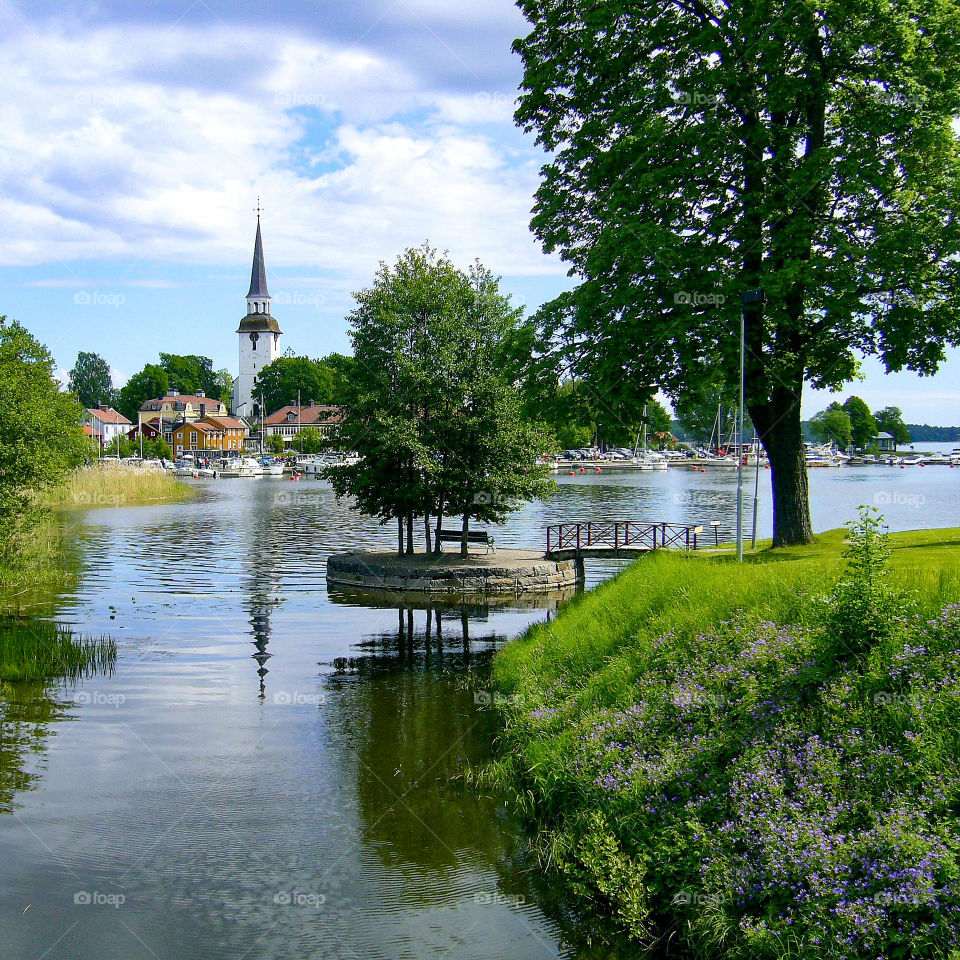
[(890, 420), (90, 380), (699, 150), (41, 431), (832, 425), (863, 426), (433, 406)]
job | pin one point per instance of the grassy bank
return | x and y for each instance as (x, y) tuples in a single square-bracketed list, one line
[(753, 761), (106, 484)]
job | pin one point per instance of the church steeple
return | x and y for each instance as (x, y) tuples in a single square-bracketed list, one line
[(259, 332), (258, 274)]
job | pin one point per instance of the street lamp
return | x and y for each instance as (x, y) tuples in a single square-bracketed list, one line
[(748, 296)]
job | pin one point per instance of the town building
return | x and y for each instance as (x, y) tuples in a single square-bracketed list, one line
[(181, 406), (288, 421), (259, 335), (210, 436), (104, 424)]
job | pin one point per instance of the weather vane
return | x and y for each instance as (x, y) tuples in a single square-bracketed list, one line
[(258, 209)]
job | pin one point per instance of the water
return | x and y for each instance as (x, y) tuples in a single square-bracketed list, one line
[(272, 770)]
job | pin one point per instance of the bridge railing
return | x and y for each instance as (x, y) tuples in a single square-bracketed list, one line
[(621, 534)]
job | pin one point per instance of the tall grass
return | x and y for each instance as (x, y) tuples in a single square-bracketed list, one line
[(33, 650), (36, 567), (108, 484)]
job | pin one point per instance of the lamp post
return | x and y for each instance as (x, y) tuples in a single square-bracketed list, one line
[(748, 296)]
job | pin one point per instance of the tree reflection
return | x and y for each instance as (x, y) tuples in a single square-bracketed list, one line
[(27, 713)]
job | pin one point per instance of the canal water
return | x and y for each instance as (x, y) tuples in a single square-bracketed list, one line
[(273, 769)]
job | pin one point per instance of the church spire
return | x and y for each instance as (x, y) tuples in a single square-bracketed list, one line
[(258, 273)]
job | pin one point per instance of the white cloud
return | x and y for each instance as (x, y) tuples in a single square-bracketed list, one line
[(152, 143)]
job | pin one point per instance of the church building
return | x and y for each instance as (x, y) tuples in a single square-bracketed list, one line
[(259, 336)]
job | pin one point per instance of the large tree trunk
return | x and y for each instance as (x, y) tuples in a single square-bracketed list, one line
[(426, 532), (778, 425), (410, 532), (464, 530), (399, 536)]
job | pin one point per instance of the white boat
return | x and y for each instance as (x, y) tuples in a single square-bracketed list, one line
[(271, 468), (238, 467), (913, 461)]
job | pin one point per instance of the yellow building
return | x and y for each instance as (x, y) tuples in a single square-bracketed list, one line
[(181, 406), (211, 435)]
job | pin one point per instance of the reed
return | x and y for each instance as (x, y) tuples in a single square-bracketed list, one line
[(32, 650), (108, 484)]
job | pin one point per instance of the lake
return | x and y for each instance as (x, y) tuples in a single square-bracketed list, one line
[(273, 770)]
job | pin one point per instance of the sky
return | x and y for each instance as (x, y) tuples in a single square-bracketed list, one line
[(137, 138)]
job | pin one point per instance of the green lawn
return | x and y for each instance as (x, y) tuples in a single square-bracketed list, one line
[(705, 759)]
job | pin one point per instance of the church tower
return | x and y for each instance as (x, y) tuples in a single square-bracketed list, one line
[(259, 334)]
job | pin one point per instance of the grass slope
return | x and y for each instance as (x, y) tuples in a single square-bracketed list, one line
[(708, 762)]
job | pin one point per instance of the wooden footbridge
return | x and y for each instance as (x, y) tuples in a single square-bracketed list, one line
[(617, 538)]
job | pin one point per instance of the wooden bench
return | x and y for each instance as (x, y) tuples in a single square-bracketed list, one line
[(473, 536)]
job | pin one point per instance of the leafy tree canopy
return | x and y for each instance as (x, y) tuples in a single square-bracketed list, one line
[(702, 149), (41, 429), (863, 426), (832, 424), (890, 420), (280, 382), (151, 382), (433, 402), (90, 380), (188, 374)]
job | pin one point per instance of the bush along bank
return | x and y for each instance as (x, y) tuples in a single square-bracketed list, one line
[(756, 761)]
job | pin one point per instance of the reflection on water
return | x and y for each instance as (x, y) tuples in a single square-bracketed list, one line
[(28, 712), (273, 771)]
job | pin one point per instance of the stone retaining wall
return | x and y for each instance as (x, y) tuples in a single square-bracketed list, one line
[(533, 576)]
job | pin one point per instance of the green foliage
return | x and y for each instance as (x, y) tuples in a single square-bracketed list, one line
[(275, 443), (150, 383), (190, 373), (863, 426), (697, 151), (702, 756), (90, 380), (41, 430), (434, 408), (224, 380), (863, 606), (890, 420), (832, 424), (280, 382), (309, 440)]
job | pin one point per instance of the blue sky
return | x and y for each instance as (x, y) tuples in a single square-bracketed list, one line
[(137, 137)]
